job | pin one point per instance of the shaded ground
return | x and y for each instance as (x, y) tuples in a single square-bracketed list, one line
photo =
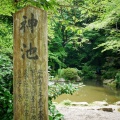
[(89, 112)]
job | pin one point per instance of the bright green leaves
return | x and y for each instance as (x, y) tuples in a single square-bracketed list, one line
[(43, 4), (113, 45), (55, 91), (7, 7), (54, 113), (6, 69), (6, 108), (6, 37)]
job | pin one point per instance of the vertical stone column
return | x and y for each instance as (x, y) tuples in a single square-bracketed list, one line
[(30, 84)]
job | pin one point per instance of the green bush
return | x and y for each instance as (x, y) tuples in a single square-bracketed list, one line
[(54, 114), (116, 83), (55, 91), (117, 79), (6, 77), (6, 35), (88, 72), (68, 73), (112, 84), (80, 73), (110, 73), (66, 102)]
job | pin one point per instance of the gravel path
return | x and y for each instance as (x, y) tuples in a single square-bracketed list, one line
[(89, 112)]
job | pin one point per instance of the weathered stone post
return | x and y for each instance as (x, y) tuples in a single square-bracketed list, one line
[(30, 85)]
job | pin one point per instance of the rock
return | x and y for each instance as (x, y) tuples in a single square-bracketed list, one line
[(107, 81), (118, 103), (100, 103), (61, 80), (79, 103), (118, 109), (55, 103), (78, 79), (51, 83), (106, 109)]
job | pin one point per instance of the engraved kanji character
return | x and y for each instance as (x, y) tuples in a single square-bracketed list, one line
[(29, 23), (32, 22), (23, 24), (30, 53)]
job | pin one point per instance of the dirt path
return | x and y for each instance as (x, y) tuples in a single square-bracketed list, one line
[(89, 112)]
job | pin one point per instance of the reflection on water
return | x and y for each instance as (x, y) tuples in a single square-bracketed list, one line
[(90, 94)]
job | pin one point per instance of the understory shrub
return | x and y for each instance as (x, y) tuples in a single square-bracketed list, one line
[(66, 102), (68, 73), (115, 84), (6, 104), (110, 73), (88, 72), (117, 79), (112, 84), (55, 91)]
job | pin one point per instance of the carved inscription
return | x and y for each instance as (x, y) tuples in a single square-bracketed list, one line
[(26, 94), (31, 79), (30, 53), (40, 102), (33, 94), (29, 23), (19, 83)]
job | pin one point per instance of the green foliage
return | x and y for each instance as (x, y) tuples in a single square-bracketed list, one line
[(55, 60), (115, 84), (80, 73), (6, 67), (6, 108), (6, 37), (117, 79), (57, 53), (54, 114), (110, 22), (6, 7), (112, 84), (55, 91), (88, 72), (43, 4), (66, 102), (68, 73), (118, 109), (110, 73)]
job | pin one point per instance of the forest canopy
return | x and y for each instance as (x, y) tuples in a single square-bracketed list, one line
[(81, 33)]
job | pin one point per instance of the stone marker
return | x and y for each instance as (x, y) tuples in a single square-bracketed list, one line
[(100, 103), (30, 85), (106, 109), (80, 103), (118, 103)]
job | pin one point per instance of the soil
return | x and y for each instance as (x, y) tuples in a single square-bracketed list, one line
[(90, 112)]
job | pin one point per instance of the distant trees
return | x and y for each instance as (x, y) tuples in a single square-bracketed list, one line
[(81, 33), (89, 32)]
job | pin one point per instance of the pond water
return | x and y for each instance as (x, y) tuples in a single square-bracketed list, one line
[(91, 93)]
